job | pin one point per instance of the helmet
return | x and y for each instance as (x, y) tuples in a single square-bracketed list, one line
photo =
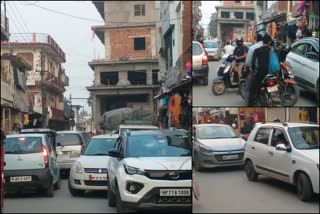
[(239, 40), (260, 35)]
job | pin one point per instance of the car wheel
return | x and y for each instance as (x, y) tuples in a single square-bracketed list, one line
[(58, 184), (74, 192), (251, 173), (120, 206), (304, 187), (50, 191), (197, 164), (111, 197)]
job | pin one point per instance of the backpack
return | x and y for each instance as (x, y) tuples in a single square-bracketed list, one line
[(274, 65)]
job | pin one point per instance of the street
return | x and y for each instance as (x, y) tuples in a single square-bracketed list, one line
[(228, 190), (62, 202), (203, 96)]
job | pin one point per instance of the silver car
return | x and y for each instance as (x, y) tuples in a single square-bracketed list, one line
[(200, 68), (213, 48), (216, 145)]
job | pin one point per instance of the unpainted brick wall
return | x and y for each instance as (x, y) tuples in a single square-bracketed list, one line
[(187, 31)]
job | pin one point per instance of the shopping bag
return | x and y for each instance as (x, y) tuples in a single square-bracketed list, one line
[(274, 65)]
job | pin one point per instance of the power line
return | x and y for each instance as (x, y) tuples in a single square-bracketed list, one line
[(14, 23), (28, 3), (21, 17), (87, 19)]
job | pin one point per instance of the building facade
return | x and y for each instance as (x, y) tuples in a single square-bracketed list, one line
[(128, 75), (196, 18), (45, 81), (234, 18)]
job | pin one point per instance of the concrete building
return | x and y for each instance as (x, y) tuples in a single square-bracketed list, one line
[(76, 110), (4, 22), (196, 18), (234, 19), (128, 75), (46, 79)]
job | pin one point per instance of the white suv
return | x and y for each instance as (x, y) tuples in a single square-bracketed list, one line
[(285, 151), (150, 169)]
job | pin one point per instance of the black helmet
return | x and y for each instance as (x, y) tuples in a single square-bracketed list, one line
[(239, 40), (260, 35)]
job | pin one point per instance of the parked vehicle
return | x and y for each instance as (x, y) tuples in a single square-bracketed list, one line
[(31, 164), (285, 151), (213, 48), (69, 147), (90, 171), (49, 132), (2, 163), (303, 61), (226, 78), (216, 145), (136, 125), (279, 88), (150, 169), (200, 68)]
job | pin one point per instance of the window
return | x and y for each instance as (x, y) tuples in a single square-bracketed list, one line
[(109, 78), (278, 137), (262, 136), (225, 14), (155, 77), (236, 1), (300, 49), (23, 145), (196, 49), (140, 43), (238, 15), (250, 16), (137, 77), (139, 10)]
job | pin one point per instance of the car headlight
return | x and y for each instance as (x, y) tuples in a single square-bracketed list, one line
[(204, 149), (226, 69), (132, 170), (77, 167)]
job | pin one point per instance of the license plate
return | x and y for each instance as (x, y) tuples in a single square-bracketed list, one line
[(230, 157), (272, 89), (20, 179), (175, 192), (98, 178)]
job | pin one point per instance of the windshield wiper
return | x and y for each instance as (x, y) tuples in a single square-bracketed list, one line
[(99, 154), (13, 152)]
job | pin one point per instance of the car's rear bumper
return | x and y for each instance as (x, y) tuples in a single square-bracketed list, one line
[(202, 73), (40, 179), (66, 164)]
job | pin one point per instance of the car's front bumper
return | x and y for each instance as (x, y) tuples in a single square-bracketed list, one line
[(88, 181), (212, 160)]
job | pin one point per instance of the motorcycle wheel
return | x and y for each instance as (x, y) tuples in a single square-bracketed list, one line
[(242, 89), (290, 95), (218, 88)]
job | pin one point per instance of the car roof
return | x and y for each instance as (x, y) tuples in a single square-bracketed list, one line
[(310, 40), (288, 124), (26, 135), (37, 130), (150, 132), (211, 124), (105, 136), (138, 126), (71, 132)]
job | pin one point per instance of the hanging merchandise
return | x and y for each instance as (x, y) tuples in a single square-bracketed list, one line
[(177, 110), (273, 29)]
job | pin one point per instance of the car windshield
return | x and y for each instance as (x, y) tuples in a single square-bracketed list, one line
[(68, 139), (215, 132), (304, 137), (157, 145), (196, 49), (23, 145), (99, 146), (210, 44)]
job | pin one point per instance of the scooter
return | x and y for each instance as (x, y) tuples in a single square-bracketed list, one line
[(227, 78)]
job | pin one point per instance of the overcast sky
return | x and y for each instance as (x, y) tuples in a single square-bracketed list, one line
[(73, 35), (207, 8)]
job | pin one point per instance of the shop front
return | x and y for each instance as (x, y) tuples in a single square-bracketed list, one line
[(248, 117)]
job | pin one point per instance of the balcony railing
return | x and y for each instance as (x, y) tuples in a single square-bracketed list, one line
[(57, 114), (39, 38), (52, 80)]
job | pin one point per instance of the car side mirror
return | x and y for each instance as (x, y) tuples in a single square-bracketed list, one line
[(313, 55), (282, 147), (114, 153)]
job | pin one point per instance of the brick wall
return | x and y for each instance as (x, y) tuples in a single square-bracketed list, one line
[(187, 31), (233, 3), (122, 43)]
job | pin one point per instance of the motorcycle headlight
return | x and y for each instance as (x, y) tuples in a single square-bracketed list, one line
[(77, 167), (226, 69), (132, 170)]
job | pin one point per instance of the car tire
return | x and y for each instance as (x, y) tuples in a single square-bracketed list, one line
[(119, 204), (50, 191), (111, 197), (57, 185), (304, 187), (74, 192), (197, 164), (251, 173)]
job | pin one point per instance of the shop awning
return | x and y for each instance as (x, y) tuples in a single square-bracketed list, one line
[(180, 85), (274, 18)]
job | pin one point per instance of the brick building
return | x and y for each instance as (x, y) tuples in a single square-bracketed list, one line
[(128, 75)]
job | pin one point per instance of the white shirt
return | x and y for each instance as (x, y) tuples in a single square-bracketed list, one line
[(250, 52), (228, 49)]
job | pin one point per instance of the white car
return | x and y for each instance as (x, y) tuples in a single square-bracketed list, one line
[(150, 169), (285, 151), (90, 172)]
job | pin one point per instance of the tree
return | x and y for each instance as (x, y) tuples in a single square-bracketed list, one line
[(213, 26)]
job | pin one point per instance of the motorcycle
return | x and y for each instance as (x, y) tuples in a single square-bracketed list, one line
[(279, 88), (227, 78)]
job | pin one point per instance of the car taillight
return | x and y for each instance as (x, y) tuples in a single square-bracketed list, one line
[(272, 82), (45, 156), (204, 60)]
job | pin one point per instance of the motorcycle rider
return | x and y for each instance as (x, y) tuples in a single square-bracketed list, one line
[(259, 44), (259, 67), (240, 53), (228, 49)]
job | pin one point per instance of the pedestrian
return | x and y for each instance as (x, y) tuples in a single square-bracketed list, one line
[(228, 49)]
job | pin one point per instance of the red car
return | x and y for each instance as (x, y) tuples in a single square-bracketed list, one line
[(3, 136)]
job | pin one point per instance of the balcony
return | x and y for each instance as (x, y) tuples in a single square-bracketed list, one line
[(25, 39), (4, 26), (53, 82), (57, 114)]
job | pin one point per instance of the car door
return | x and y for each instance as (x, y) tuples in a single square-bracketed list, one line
[(311, 70), (259, 146), (197, 53), (112, 167), (54, 167)]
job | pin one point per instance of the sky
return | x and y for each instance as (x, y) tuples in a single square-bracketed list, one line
[(73, 35), (207, 8)]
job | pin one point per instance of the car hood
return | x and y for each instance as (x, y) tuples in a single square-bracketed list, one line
[(160, 163), (312, 153), (94, 161), (223, 144)]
